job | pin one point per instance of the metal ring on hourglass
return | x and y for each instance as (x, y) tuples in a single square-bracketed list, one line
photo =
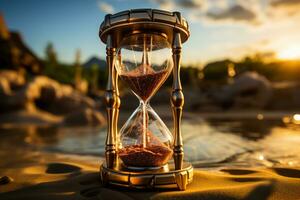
[(145, 20)]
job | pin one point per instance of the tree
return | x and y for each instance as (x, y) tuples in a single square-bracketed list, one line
[(78, 68), (63, 73), (94, 77), (51, 58)]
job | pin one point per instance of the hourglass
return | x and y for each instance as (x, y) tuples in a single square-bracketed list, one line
[(143, 48), (143, 63)]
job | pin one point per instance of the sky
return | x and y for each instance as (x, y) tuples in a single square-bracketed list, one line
[(219, 28)]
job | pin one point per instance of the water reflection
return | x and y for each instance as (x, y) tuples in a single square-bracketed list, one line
[(245, 128), (207, 143)]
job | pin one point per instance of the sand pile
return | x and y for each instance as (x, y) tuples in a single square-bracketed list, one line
[(51, 176)]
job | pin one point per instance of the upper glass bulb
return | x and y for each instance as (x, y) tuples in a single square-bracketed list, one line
[(144, 61)]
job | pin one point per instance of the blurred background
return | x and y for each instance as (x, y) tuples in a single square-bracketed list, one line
[(240, 73)]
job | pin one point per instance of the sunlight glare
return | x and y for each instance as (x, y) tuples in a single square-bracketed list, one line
[(260, 116), (289, 53), (296, 119)]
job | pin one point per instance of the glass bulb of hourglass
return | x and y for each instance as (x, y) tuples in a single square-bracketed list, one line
[(144, 63)]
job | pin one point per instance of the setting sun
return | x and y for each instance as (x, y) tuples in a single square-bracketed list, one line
[(289, 53)]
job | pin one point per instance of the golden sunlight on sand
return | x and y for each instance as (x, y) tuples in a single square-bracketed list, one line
[(60, 177)]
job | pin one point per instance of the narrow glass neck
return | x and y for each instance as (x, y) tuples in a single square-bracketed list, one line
[(142, 102)]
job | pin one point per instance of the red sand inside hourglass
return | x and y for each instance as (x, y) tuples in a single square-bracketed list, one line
[(144, 81), (153, 155), (150, 151)]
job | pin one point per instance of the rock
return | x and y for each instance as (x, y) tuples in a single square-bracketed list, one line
[(69, 103), (9, 80), (48, 94), (15, 78), (41, 96), (14, 101), (4, 32), (14, 53), (287, 95), (33, 90), (84, 117), (4, 86), (82, 86), (250, 89), (5, 180), (11, 94), (55, 97)]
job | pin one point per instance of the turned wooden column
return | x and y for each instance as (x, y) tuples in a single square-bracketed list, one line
[(177, 100), (111, 102)]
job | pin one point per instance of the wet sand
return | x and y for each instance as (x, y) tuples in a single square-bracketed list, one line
[(57, 176)]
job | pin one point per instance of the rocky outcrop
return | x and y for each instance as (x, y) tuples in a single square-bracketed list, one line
[(14, 53), (11, 92), (42, 95), (249, 89), (55, 97), (83, 117), (4, 33)]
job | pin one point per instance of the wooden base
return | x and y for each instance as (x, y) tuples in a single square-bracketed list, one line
[(165, 177)]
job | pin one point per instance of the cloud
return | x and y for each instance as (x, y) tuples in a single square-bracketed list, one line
[(190, 3), (250, 12), (164, 4), (285, 7), (235, 12), (105, 7), (179, 4), (279, 3), (213, 9)]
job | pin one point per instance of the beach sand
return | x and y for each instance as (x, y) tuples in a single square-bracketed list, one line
[(45, 176)]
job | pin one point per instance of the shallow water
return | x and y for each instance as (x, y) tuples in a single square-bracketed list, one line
[(208, 143)]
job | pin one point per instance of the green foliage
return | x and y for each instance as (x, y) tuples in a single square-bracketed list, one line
[(189, 75), (216, 70), (274, 71), (255, 63), (96, 77), (63, 73), (50, 54), (67, 73), (283, 70)]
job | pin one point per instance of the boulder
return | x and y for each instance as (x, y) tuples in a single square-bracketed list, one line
[(249, 89), (34, 88), (11, 93), (14, 53), (44, 95), (84, 117), (55, 97), (48, 94), (4, 86), (15, 78), (69, 103), (11, 79), (287, 96)]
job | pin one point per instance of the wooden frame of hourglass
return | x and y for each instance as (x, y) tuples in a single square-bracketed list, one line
[(178, 173)]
